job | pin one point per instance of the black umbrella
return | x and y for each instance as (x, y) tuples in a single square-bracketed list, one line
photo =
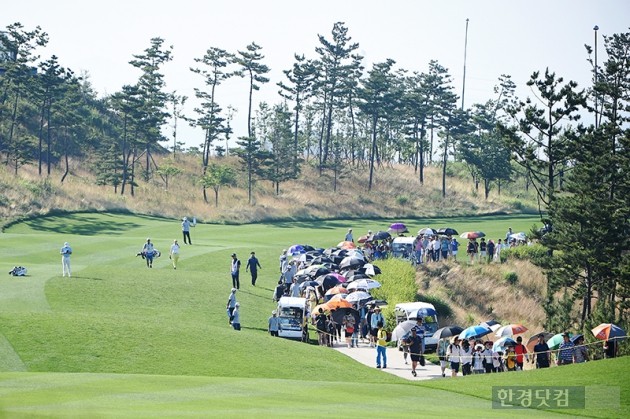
[(340, 313), (355, 276), (447, 231), (351, 262), (311, 283), (377, 270), (322, 259), (427, 231), (327, 281), (447, 332), (381, 235)]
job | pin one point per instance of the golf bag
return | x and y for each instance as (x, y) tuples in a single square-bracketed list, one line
[(18, 271)]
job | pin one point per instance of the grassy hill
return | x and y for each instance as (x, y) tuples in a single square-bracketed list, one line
[(119, 339), (396, 193)]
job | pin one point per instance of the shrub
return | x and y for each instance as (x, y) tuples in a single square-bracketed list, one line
[(511, 277), (402, 200), (536, 253)]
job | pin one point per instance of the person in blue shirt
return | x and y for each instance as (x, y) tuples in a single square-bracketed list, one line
[(66, 251), (566, 351), (454, 247)]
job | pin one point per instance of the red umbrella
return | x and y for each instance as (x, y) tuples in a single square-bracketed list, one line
[(472, 235), (511, 330), (364, 239), (347, 245)]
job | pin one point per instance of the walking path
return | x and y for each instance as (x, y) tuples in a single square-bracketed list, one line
[(395, 362)]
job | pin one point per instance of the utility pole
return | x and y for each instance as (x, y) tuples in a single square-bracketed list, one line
[(465, 47), (596, 28)]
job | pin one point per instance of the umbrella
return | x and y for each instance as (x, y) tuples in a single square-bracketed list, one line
[(305, 284), (337, 275), (447, 231), (555, 341), (375, 270), (605, 331), (499, 345), (324, 307), (338, 303), (575, 338), (427, 231), (357, 296), (447, 332), (492, 324), (533, 340), (340, 313), (474, 332), (472, 235), (351, 262), (367, 284), (296, 249), (327, 281), (347, 245), (511, 330), (357, 276), (364, 239), (518, 236), (337, 290), (381, 235), (402, 329), (398, 228)]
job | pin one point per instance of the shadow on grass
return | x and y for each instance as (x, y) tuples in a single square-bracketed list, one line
[(82, 224)]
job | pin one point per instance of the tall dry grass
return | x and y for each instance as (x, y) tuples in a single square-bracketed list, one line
[(396, 192), (480, 292)]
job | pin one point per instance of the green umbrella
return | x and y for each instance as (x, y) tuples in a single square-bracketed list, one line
[(556, 340)]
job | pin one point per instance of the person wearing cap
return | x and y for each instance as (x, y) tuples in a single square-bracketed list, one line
[(236, 317), (148, 251), (66, 251), (235, 267), (510, 358), (478, 359), (349, 237), (231, 304), (283, 261), (186, 230), (381, 345), (521, 352), (566, 351), (486, 352), (375, 319), (542, 353), (274, 324), (173, 255), (252, 266)]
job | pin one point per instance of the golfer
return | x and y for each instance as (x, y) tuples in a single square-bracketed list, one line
[(234, 271), (174, 254), (186, 230), (148, 251), (66, 251)]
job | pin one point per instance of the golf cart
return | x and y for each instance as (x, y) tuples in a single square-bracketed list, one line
[(411, 311), (292, 312), (402, 247)]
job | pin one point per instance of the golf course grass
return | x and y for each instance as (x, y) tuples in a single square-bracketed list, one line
[(121, 340)]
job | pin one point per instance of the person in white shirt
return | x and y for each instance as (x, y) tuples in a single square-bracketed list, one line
[(66, 251), (453, 355), (149, 252), (174, 254)]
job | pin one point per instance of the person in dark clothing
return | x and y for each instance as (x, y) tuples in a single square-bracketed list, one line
[(235, 268), (252, 267)]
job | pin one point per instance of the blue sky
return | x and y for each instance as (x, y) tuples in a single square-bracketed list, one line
[(504, 37)]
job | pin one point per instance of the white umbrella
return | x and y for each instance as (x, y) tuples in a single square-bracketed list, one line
[(366, 284), (357, 296), (403, 328)]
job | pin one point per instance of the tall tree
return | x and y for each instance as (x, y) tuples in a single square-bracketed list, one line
[(338, 67), (153, 98), (378, 98), (301, 78), (252, 67)]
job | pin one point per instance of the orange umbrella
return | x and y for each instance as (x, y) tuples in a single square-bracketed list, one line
[(605, 331), (340, 303), (347, 245), (324, 307)]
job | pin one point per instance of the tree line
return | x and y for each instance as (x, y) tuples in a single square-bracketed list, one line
[(337, 115)]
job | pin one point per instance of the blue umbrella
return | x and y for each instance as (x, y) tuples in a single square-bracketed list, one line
[(296, 249), (576, 338), (422, 313), (476, 331), (499, 345)]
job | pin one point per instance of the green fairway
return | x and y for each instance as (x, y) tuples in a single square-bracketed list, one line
[(119, 339)]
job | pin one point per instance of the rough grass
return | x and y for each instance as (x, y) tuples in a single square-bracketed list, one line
[(309, 197)]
